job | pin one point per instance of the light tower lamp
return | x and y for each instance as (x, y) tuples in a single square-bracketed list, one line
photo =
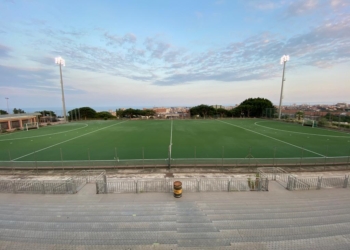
[(284, 60), (61, 62)]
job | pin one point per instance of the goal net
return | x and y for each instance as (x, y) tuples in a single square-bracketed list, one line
[(309, 122), (33, 125)]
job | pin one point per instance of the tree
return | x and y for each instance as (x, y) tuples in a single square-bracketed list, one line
[(119, 112), (299, 114), (3, 112), (18, 111), (323, 122), (104, 115), (202, 110), (130, 112), (246, 109), (148, 112), (47, 113), (85, 113), (222, 112), (253, 107)]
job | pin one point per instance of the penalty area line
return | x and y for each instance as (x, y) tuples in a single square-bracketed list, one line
[(273, 138), (35, 136), (65, 141)]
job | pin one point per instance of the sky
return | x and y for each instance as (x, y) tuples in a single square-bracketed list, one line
[(145, 53)]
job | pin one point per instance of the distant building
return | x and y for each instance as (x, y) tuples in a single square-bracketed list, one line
[(17, 121), (341, 105), (161, 110), (217, 106), (230, 107), (112, 112)]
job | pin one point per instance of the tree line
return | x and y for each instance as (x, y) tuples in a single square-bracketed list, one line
[(89, 113), (15, 111), (252, 107)]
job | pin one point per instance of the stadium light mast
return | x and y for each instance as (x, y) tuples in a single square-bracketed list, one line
[(61, 62), (284, 60), (7, 102)]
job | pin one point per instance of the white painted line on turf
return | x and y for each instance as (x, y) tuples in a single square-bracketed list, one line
[(46, 134), (337, 136), (272, 138), (171, 133), (171, 138), (66, 141)]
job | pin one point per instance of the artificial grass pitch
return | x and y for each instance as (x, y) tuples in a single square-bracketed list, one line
[(150, 139)]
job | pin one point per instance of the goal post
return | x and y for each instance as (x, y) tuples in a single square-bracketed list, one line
[(32, 125), (309, 122)]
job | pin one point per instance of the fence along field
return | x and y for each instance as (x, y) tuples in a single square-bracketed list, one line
[(189, 142)]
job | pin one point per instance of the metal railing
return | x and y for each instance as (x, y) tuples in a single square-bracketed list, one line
[(188, 185), (295, 184), (292, 182), (275, 174), (306, 183), (67, 186), (37, 187)]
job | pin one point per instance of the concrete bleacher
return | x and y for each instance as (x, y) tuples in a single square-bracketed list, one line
[(278, 219)]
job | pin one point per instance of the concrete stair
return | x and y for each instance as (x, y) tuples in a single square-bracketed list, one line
[(262, 220)]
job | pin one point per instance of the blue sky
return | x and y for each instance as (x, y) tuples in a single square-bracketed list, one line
[(173, 53)]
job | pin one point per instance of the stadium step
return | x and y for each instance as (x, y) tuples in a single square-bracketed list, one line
[(42, 222)]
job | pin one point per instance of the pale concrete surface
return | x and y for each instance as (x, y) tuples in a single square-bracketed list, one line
[(278, 219)]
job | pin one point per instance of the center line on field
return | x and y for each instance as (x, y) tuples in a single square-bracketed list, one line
[(65, 141), (272, 138), (171, 139), (171, 133)]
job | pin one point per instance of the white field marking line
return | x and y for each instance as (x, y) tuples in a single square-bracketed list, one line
[(171, 133), (273, 138), (46, 134), (171, 138), (65, 141), (256, 123)]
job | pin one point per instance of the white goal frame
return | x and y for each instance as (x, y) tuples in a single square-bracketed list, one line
[(32, 125), (313, 122)]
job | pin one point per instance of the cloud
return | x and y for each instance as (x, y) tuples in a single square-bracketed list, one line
[(301, 7), (74, 33), (199, 14), (159, 62), (117, 40), (329, 42), (219, 2), (156, 48), (45, 60), (33, 80), (23, 76), (4, 51), (339, 3), (257, 57), (264, 5)]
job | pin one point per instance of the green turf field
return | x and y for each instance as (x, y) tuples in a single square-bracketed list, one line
[(150, 139)]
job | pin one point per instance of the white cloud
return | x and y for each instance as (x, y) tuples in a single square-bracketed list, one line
[(301, 7), (339, 3), (118, 40)]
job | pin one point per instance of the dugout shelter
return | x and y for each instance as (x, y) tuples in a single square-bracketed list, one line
[(17, 121)]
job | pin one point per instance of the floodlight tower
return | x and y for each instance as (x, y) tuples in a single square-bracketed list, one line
[(7, 101), (284, 60), (60, 61)]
